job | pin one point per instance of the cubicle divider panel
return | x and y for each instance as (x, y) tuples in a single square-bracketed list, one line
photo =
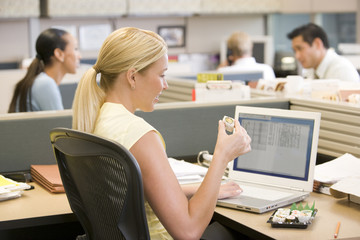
[(339, 126), (179, 90), (186, 128), (67, 91), (245, 76), (25, 140), (181, 87)]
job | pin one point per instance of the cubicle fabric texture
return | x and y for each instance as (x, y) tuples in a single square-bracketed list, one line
[(48, 176)]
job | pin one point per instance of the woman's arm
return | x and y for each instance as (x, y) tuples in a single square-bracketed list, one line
[(228, 189), (183, 218)]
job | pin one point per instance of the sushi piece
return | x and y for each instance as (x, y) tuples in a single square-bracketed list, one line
[(229, 123), (278, 219), (290, 219), (305, 216)]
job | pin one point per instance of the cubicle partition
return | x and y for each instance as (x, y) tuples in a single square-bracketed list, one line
[(181, 86), (245, 76), (24, 138), (186, 127), (67, 91), (339, 127)]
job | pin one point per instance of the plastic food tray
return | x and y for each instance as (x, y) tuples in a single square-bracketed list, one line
[(295, 224)]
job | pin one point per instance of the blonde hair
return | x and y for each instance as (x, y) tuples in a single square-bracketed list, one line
[(240, 44), (122, 50)]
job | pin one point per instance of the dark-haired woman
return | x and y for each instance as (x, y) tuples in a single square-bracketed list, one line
[(56, 54)]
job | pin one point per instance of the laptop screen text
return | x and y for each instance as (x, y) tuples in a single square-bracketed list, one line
[(281, 146)]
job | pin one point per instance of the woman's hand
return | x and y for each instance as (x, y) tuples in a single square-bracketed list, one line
[(233, 145), (229, 189)]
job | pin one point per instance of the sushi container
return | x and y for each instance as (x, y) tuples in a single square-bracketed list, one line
[(286, 218)]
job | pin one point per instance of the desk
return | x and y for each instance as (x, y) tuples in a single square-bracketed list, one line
[(330, 211), (38, 207)]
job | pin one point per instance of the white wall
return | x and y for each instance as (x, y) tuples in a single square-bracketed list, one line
[(206, 32), (203, 33), (14, 40)]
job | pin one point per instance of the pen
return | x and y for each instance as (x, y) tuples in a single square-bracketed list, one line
[(337, 230)]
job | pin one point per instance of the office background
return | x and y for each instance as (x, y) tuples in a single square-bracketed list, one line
[(206, 22)]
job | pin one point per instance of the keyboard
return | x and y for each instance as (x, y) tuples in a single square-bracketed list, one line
[(263, 193)]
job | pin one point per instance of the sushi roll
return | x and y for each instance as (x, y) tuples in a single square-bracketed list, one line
[(280, 215), (290, 219), (304, 216), (295, 213), (307, 212), (229, 124), (278, 219), (283, 211)]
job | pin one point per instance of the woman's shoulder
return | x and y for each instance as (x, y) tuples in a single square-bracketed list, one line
[(44, 84), (44, 80), (118, 112), (115, 122)]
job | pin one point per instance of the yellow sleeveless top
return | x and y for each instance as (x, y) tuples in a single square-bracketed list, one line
[(117, 123)]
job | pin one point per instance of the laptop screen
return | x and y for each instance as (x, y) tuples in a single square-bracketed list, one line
[(280, 145)]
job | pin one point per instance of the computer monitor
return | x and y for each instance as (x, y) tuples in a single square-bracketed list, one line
[(263, 49)]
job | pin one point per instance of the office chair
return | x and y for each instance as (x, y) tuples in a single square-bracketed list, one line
[(103, 184)]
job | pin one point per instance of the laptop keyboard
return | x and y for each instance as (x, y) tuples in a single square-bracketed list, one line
[(263, 193)]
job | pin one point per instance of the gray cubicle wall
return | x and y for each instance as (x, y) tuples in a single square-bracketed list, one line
[(187, 128), (67, 91), (24, 139)]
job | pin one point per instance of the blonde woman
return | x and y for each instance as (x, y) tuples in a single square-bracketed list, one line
[(132, 64)]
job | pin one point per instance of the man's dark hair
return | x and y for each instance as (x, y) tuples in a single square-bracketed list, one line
[(309, 32)]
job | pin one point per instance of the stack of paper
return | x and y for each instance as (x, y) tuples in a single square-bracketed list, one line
[(329, 173), (347, 187), (10, 189), (187, 172), (48, 176)]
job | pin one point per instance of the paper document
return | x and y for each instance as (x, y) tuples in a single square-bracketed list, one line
[(348, 185), (333, 171), (10, 189), (187, 172)]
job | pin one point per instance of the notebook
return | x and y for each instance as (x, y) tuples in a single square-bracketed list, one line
[(279, 170)]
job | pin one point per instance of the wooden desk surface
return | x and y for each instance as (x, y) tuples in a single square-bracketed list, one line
[(34, 208), (39, 207), (330, 211)]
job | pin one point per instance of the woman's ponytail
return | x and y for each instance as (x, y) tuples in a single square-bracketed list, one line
[(88, 100)]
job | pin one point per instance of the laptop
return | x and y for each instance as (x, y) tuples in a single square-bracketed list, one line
[(279, 169)]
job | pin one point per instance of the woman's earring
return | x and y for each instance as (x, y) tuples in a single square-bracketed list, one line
[(133, 87)]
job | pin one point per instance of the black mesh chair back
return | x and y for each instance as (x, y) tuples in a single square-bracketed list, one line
[(103, 184)]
